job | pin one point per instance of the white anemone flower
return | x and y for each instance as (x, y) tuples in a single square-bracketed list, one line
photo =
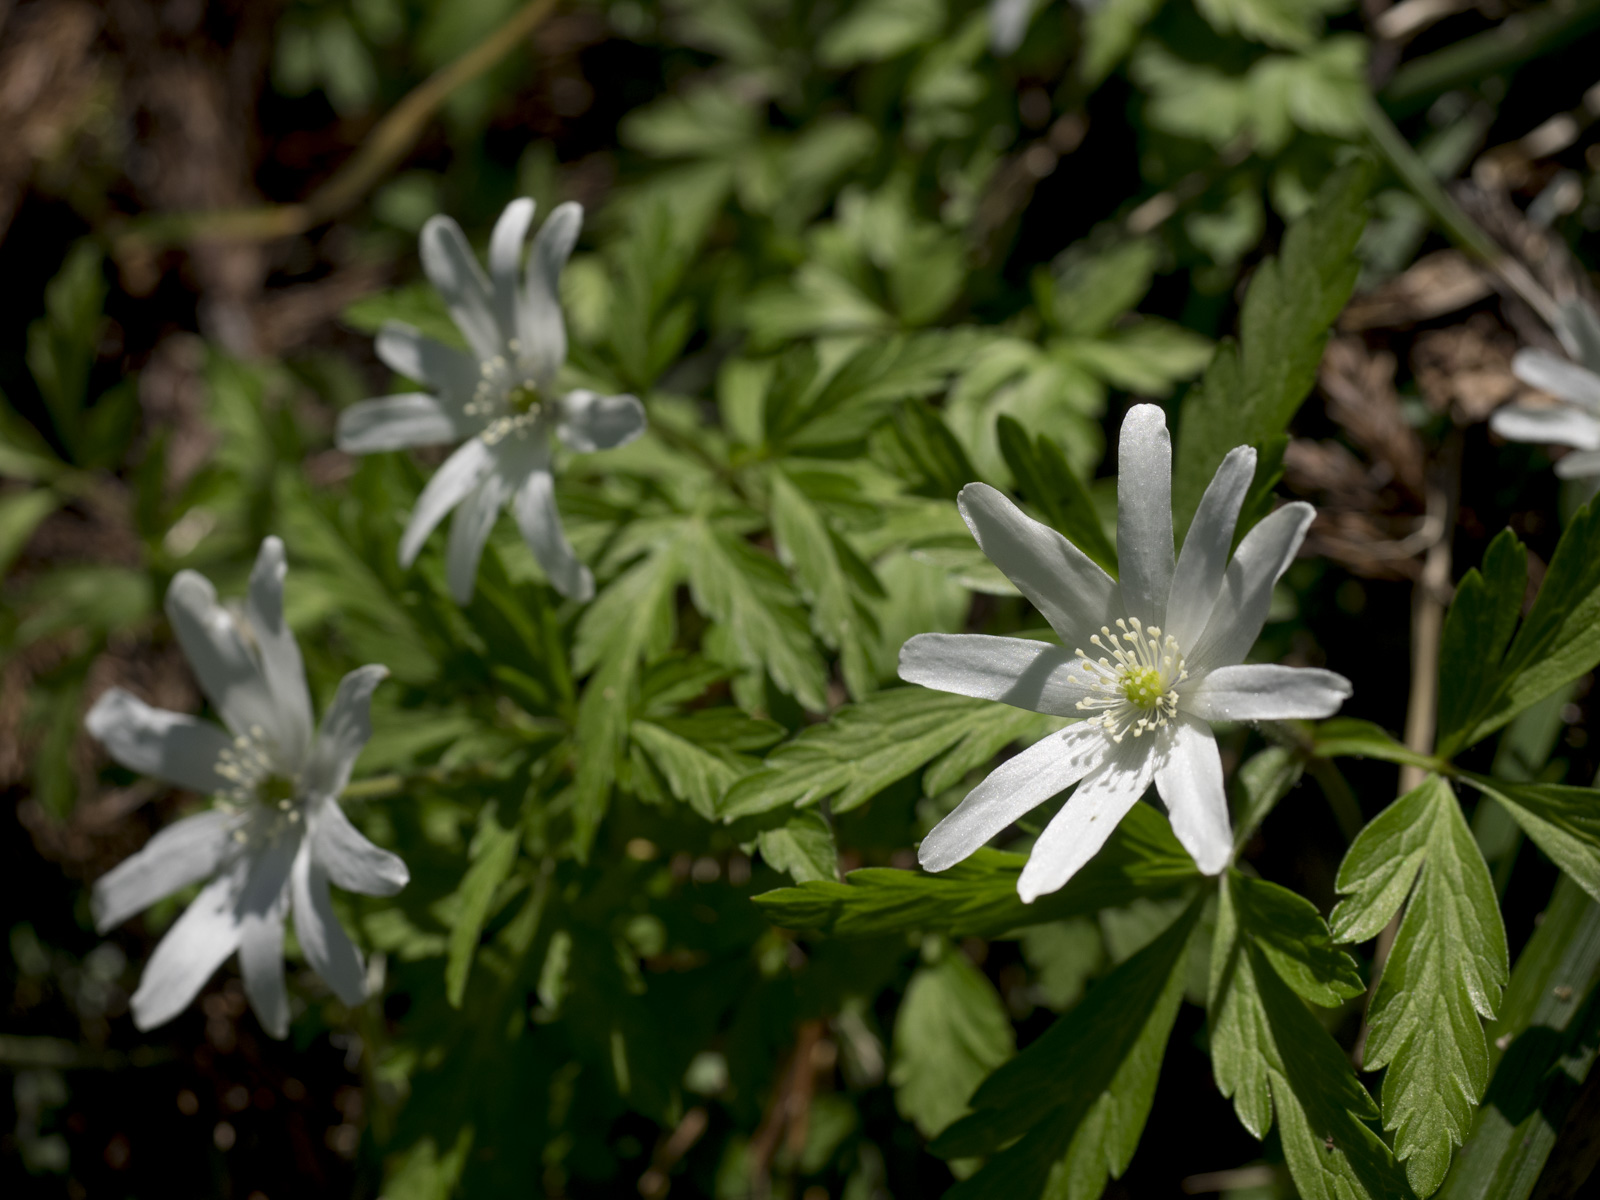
[(501, 398), (1574, 420), (1148, 661), (276, 836)]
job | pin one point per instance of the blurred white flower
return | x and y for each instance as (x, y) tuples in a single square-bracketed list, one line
[(1150, 660), (1575, 419), (276, 837), (499, 398)]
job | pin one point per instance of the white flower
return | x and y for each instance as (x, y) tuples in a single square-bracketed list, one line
[(500, 398), (1573, 421), (276, 837), (1150, 659)]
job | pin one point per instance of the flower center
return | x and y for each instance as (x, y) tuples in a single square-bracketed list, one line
[(1133, 684), (268, 799)]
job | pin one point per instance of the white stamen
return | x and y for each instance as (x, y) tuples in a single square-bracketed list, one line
[(1136, 688)]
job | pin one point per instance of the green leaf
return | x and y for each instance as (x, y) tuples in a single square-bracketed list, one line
[(802, 846), (1148, 357), (1558, 641), (978, 896), (1063, 955), (866, 747), (1293, 24), (1348, 737), (950, 1032), (415, 304), (873, 30), (1445, 970), (20, 514), (1047, 481), (1563, 821), (747, 592), (827, 570), (1477, 629), (1262, 780), (698, 775), (1542, 1048), (1092, 289), (1270, 1055), (494, 852), (919, 447), (1109, 32), (1110, 1048), (1248, 396), (62, 345)]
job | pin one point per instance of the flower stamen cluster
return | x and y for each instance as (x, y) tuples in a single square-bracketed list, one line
[(1136, 692)]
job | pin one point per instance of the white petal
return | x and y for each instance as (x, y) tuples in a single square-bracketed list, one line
[(346, 728), (1069, 590), (540, 325), (394, 423), (408, 352), (451, 483), (261, 913), (1055, 761), (171, 746), (1241, 609), (279, 653), (1203, 561), (590, 421), (1144, 514), (1559, 426), (223, 661), (1548, 373), (469, 530), (1076, 833), (349, 859), (1578, 327), (1264, 692), (1027, 674), (327, 947), (1008, 23), (1189, 778), (195, 946), (456, 276), (505, 257), (534, 506), (181, 854), (1580, 464)]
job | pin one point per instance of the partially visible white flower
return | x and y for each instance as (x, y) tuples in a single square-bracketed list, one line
[(1575, 419), (1150, 660), (500, 398), (276, 836)]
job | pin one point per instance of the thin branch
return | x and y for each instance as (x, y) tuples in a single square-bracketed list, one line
[(383, 149)]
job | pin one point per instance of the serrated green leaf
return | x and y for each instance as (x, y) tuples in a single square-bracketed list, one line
[(697, 775), (1270, 1055), (1543, 1049), (1477, 629), (1062, 955), (867, 746), (950, 1032), (1148, 357), (747, 592), (1248, 396), (1046, 480), (1558, 641), (494, 852), (1288, 931), (803, 847), (819, 559), (978, 896), (1562, 821), (1110, 1047), (1446, 969), (62, 344)]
